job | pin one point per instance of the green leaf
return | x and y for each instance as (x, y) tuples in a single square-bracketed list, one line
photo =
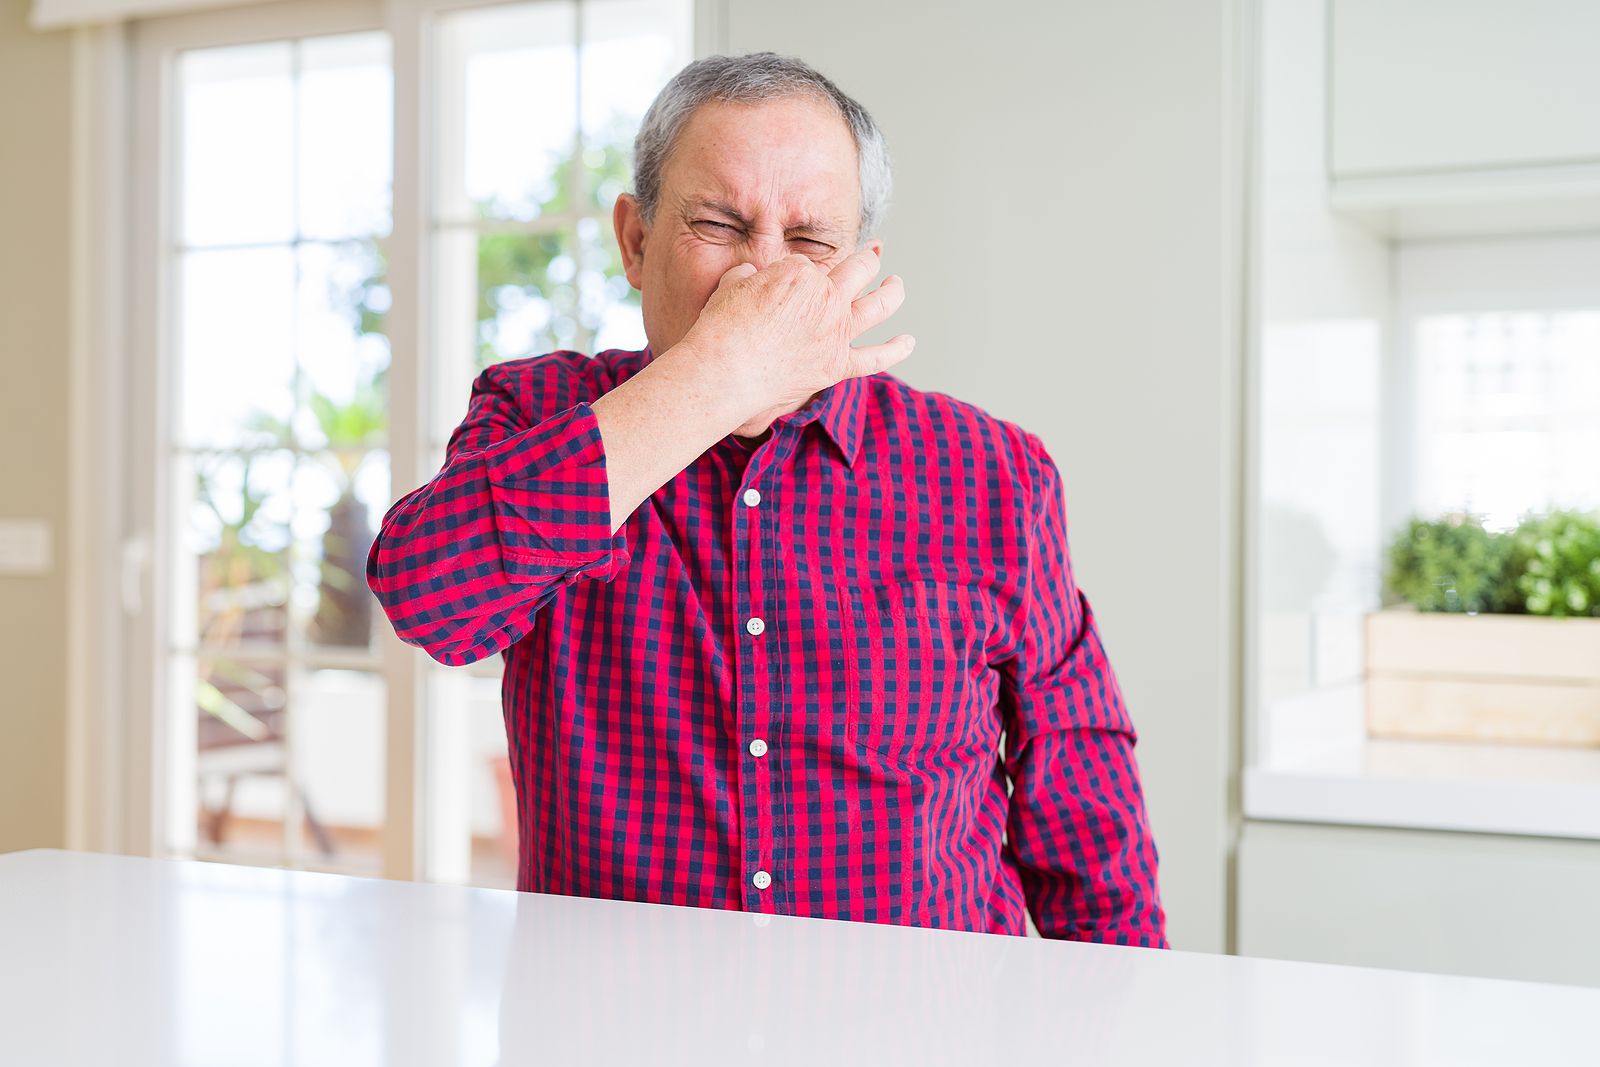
[(1556, 563), (1452, 564)]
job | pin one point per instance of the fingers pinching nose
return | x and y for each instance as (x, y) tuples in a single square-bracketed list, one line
[(737, 272)]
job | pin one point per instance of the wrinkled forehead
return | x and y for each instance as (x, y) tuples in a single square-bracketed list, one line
[(793, 157)]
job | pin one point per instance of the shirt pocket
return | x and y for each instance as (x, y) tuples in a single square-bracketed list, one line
[(909, 651)]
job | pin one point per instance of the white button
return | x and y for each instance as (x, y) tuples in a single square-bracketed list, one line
[(758, 748), (752, 497), (762, 879), (755, 625)]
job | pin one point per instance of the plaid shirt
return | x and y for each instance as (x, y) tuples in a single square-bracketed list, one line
[(845, 673)]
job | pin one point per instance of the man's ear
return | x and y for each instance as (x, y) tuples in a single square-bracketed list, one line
[(631, 233), (876, 245)]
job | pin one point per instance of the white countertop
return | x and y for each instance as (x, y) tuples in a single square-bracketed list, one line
[(1317, 764), (111, 959)]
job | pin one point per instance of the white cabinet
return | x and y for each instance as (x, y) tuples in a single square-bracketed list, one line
[(1465, 116), (1430, 85), (1454, 903)]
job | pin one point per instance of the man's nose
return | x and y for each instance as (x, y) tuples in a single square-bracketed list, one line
[(762, 249)]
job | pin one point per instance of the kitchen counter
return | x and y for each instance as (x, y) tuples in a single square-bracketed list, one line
[(1318, 765), (113, 959)]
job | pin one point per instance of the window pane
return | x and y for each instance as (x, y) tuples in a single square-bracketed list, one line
[(235, 553), (501, 296), (455, 330), (1510, 405), (435, 459), (282, 413), (239, 707), (527, 295), (343, 353), (509, 111), (345, 151), (278, 745), (337, 740), (608, 306), (630, 50), (236, 351), (339, 498), (236, 139), (471, 822)]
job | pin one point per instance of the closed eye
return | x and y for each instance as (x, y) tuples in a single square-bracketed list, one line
[(820, 248)]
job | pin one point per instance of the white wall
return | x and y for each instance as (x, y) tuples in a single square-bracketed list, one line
[(35, 186), (1066, 218)]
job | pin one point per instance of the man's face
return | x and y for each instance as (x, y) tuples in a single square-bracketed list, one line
[(744, 183)]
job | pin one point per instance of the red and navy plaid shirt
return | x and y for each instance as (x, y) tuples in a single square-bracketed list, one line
[(844, 673)]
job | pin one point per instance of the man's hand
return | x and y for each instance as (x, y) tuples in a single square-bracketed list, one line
[(765, 342), (783, 333)]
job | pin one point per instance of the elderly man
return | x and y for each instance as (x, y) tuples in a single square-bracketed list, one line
[(781, 633)]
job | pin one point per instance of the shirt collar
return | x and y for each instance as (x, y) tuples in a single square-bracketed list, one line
[(838, 409)]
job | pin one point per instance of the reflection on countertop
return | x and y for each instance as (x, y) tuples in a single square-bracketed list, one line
[(138, 961)]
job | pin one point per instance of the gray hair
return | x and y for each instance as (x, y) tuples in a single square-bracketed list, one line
[(750, 79)]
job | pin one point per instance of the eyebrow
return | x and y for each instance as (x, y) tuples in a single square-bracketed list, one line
[(808, 224)]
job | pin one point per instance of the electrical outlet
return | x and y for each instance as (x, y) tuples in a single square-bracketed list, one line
[(24, 546)]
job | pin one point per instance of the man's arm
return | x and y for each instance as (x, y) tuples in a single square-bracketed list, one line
[(1076, 826), (522, 509), (519, 509)]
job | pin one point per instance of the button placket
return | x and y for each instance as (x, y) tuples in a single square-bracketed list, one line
[(749, 565), (765, 842)]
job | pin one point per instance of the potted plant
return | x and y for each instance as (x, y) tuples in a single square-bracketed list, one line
[(1489, 636)]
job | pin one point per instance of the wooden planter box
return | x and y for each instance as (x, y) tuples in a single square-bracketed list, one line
[(1519, 678)]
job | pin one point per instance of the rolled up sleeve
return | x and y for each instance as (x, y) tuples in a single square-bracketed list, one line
[(462, 564)]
